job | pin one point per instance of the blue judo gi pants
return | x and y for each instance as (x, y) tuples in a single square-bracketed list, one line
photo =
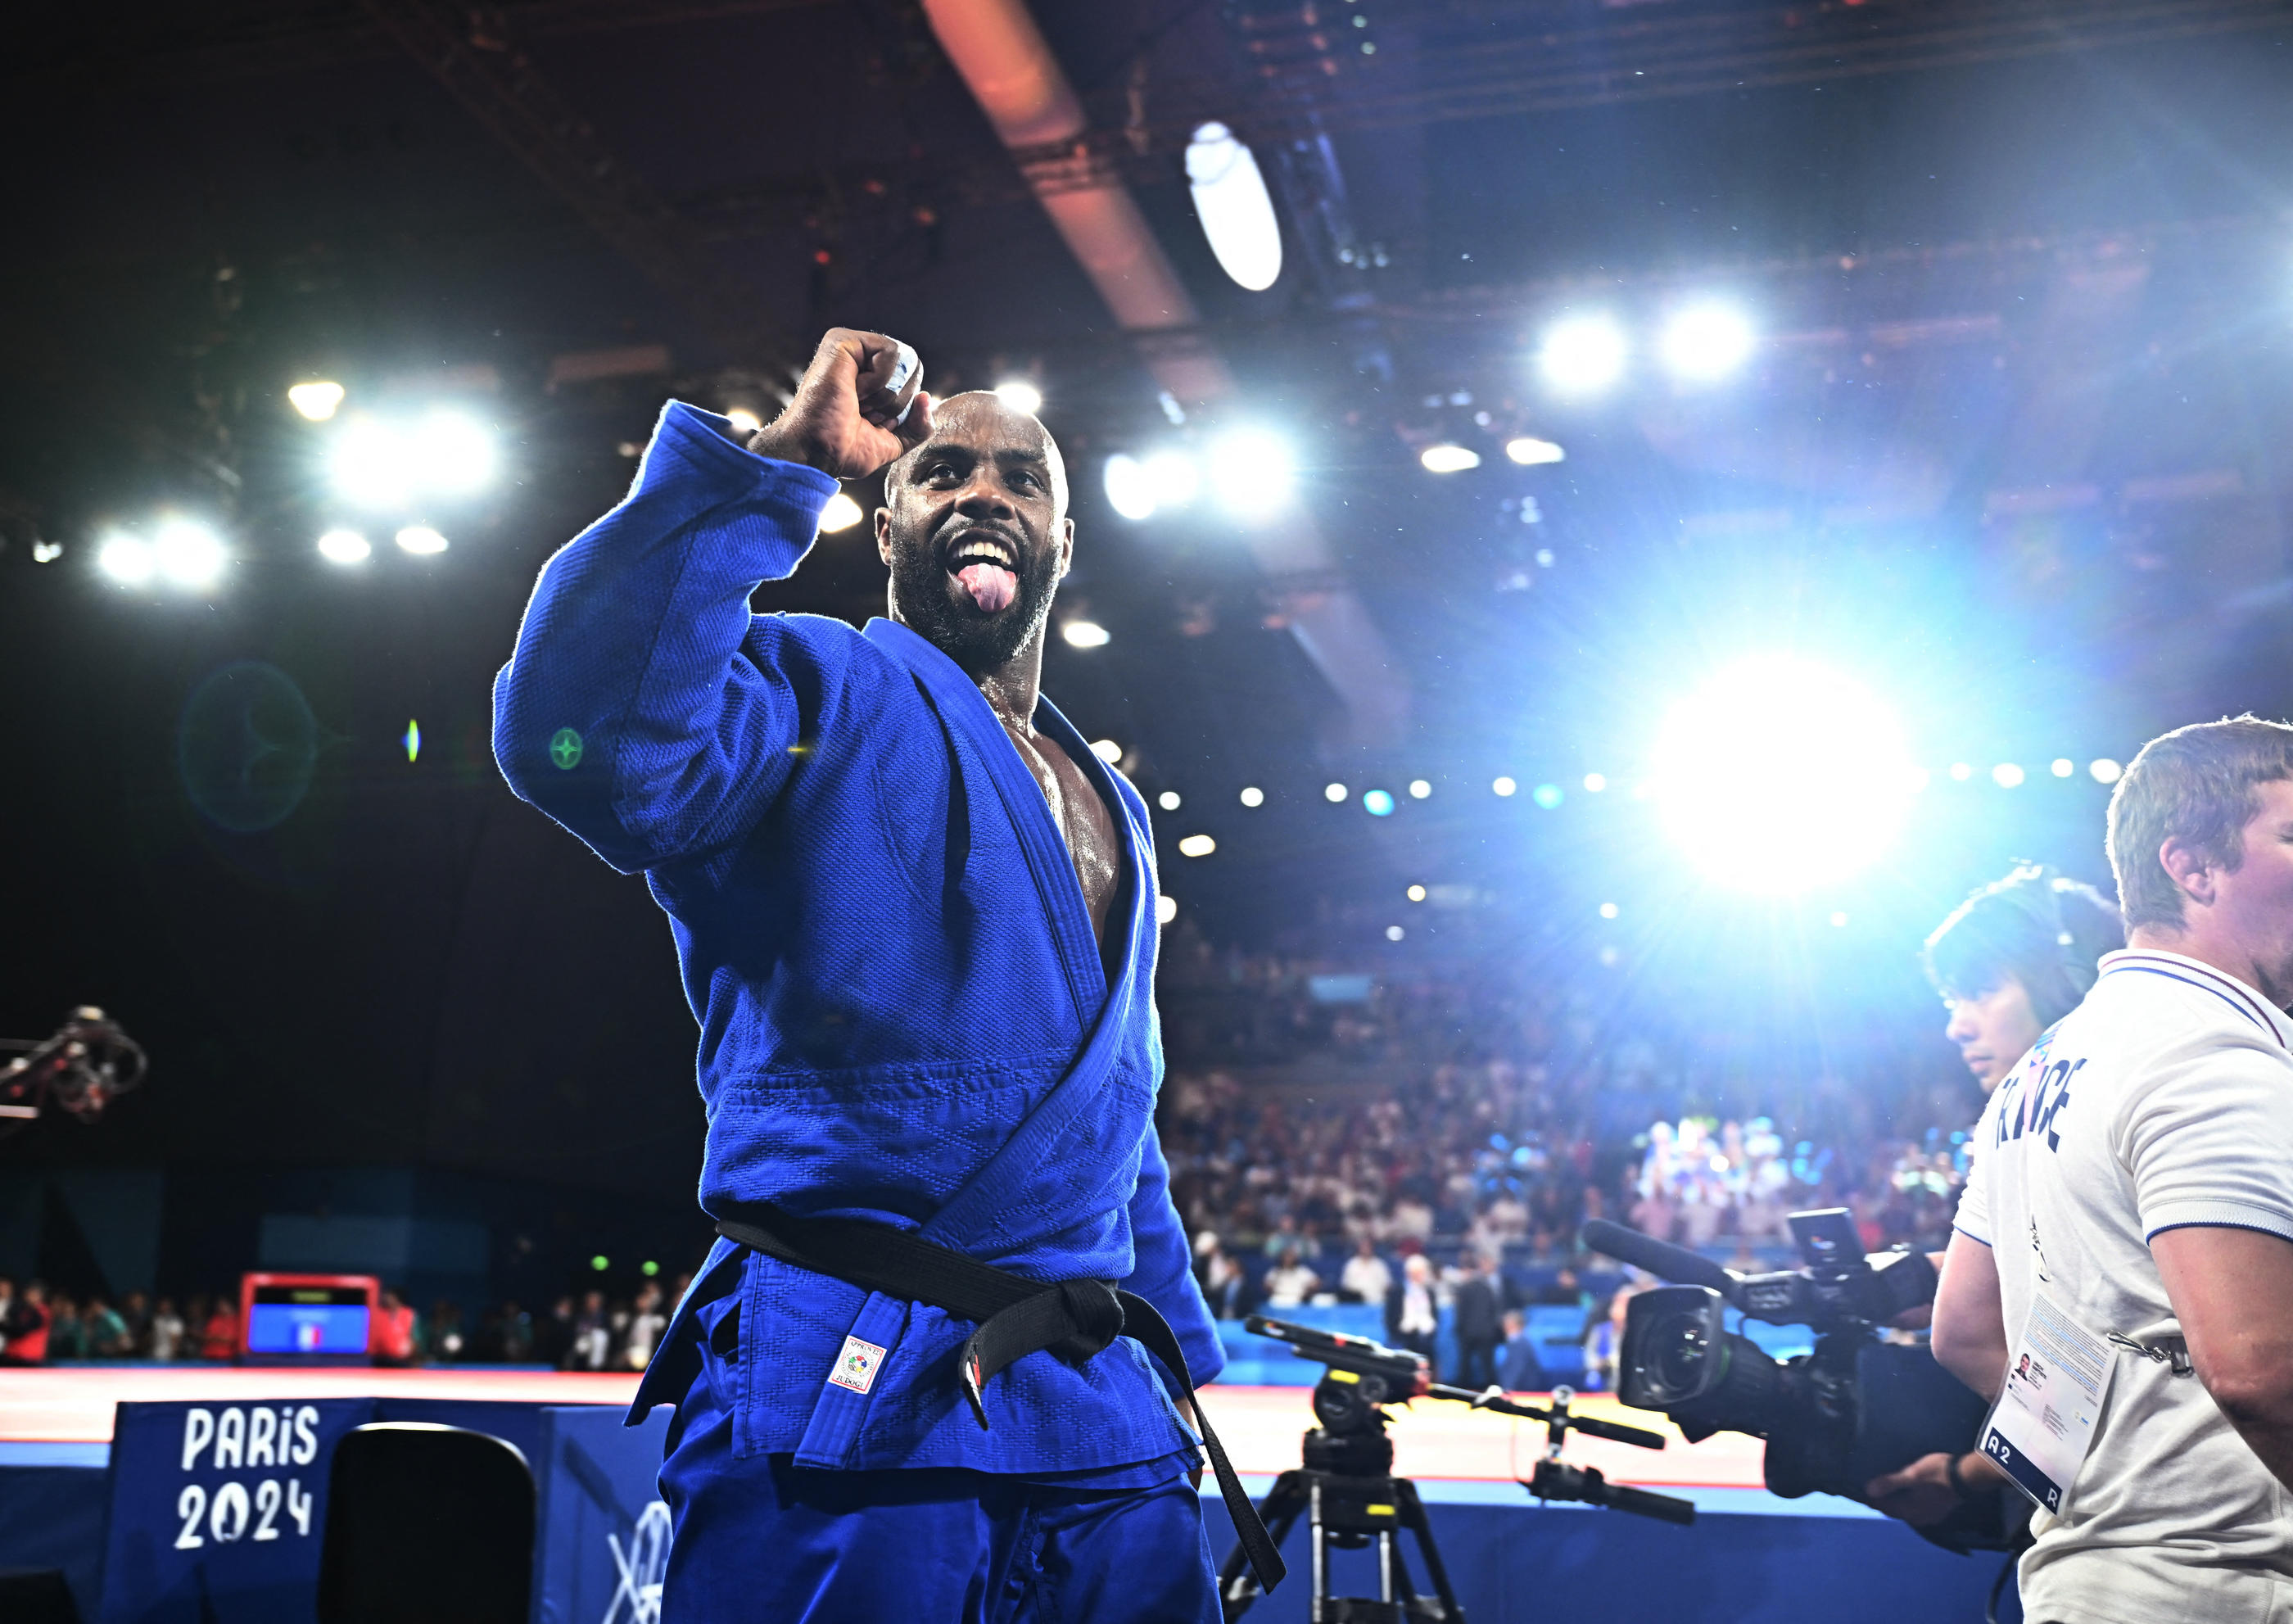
[(764, 1541)]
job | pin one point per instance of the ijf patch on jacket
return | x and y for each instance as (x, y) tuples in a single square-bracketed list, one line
[(856, 1366)]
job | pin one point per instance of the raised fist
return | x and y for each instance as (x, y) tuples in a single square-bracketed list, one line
[(862, 403)]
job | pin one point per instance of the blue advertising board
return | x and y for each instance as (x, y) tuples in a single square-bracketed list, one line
[(218, 1511)]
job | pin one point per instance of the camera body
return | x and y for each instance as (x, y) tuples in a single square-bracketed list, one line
[(1853, 1408)]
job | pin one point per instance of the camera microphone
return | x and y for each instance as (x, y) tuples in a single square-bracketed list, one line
[(1660, 1258)]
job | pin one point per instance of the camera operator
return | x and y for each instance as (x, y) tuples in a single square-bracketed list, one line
[(2010, 962), (2136, 1174)]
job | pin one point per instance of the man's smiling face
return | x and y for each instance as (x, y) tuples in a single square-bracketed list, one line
[(975, 527)]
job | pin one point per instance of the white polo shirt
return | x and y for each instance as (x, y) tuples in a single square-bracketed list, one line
[(2165, 1099)]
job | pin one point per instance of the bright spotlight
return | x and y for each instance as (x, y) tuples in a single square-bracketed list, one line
[(1172, 478), (1583, 354), (1419, 788), (420, 538), (1394, 933), (1252, 796), (1416, 893), (1707, 342), (1084, 634), (345, 547), (2064, 767), (1449, 457), (1377, 803), (371, 464), (125, 559), (2106, 771), (1531, 452), (840, 512), (188, 553), (1250, 473), (745, 423), (455, 453), (1334, 794), (2007, 775), (1782, 775), (1130, 490), (1107, 750), (1197, 846), (1547, 795), (1594, 783), (1169, 801), (1961, 772), (1503, 786), (1020, 395), (1609, 910), (318, 401), (1231, 202), (1838, 921), (1166, 909)]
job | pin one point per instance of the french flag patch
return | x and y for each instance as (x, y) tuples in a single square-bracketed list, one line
[(856, 1365)]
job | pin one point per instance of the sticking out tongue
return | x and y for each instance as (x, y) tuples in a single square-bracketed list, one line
[(991, 585)]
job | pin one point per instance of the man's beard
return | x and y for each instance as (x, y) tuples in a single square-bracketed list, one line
[(977, 642)]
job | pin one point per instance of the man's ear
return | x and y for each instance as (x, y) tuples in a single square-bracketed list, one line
[(2191, 871), (884, 530), (1066, 546)]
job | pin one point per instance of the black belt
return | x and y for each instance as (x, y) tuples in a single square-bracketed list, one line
[(1073, 1319)]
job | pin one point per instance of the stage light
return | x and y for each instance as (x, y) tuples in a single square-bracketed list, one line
[(1107, 750), (1707, 342), (345, 547), (1231, 202), (1377, 803), (1416, 893), (317, 400), (2007, 775), (1594, 783), (1419, 788), (1448, 458), (1167, 801), (1530, 452), (1609, 910), (1961, 772), (370, 464), (2064, 767), (1020, 395), (1394, 933), (1839, 921), (1173, 479), (2106, 771), (1250, 473), (840, 512), (412, 739), (455, 454), (420, 540), (1547, 795), (1334, 794), (188, 553), (1782, 775), (125, 559), (648, 1268), (1252, 796), (1583, 354), (1166, 909), (1128, 490), (600, 1263), (1503, 786), (745, 423), (1084, 634), (1197, 846)]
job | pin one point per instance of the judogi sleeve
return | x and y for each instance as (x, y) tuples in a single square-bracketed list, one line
[(1162, 1269), (2210, 1141), (631, 712)]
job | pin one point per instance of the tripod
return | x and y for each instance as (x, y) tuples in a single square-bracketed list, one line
[(1347, 1485)]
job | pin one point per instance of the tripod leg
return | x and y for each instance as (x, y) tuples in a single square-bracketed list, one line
[(1283, 1506), (1413, 1516)]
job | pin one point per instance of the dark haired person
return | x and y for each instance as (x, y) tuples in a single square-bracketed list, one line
[(2010, 962), (916, 918), (2135, 1174)]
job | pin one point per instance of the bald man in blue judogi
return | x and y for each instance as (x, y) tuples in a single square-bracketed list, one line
[(916, 920)]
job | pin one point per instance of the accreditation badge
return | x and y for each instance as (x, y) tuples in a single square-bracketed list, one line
[(2044, 1422)]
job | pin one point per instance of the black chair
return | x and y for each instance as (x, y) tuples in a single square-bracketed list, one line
[(427, 1525)]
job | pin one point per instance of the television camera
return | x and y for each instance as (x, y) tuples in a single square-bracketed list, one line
[(1348, 1488), (1833, 1418), (86, 1063)]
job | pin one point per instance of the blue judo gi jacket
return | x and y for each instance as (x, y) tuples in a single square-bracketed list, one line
[(883, 938)]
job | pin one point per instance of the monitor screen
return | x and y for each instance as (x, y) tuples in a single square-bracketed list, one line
[(307, 1319)]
